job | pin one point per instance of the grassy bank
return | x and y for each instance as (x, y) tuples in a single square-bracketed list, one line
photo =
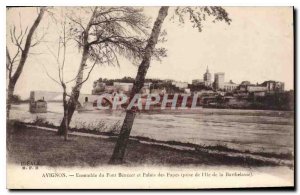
[(31, 144), (102, 129)]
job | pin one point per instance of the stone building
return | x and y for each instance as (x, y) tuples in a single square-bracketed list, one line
[(273, 86), (180, 85), (98, 87), (230, 86), (219, 80)]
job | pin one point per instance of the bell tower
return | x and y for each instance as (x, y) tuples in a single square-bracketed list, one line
[(207, 76)]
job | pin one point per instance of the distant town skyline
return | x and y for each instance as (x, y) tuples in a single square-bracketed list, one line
[(212, 78), (256, 47)]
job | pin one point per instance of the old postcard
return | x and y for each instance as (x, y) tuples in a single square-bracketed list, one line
[(110, 97)]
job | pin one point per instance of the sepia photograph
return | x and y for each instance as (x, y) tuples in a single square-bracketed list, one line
[(144, 97)]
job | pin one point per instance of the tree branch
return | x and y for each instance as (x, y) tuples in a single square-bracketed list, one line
[(51, 76)]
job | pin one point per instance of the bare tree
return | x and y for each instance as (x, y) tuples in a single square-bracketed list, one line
[(60, 59), (196, 15), (16, 62), (106, 34)]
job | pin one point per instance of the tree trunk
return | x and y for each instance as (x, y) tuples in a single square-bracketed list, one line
[(13, 80), (10, 94), (65, 105), (120, 147), (65, 123)]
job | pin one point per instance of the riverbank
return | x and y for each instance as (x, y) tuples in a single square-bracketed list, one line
[(28, 143)]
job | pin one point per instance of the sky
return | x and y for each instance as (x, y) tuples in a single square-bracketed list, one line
[(257, 46)]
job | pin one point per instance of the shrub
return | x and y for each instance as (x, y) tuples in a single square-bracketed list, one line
[(115, 128)]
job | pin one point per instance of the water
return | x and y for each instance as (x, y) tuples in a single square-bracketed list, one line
[(253, 130)]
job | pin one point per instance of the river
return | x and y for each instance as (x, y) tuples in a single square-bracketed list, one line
[(253, 130)]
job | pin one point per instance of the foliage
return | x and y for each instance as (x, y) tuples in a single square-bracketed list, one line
[(112, 32), (16, 99), (40, 121), (115, 128), (197, 15), (99, 126)]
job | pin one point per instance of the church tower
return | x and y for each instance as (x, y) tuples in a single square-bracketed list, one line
[(207, 77)]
